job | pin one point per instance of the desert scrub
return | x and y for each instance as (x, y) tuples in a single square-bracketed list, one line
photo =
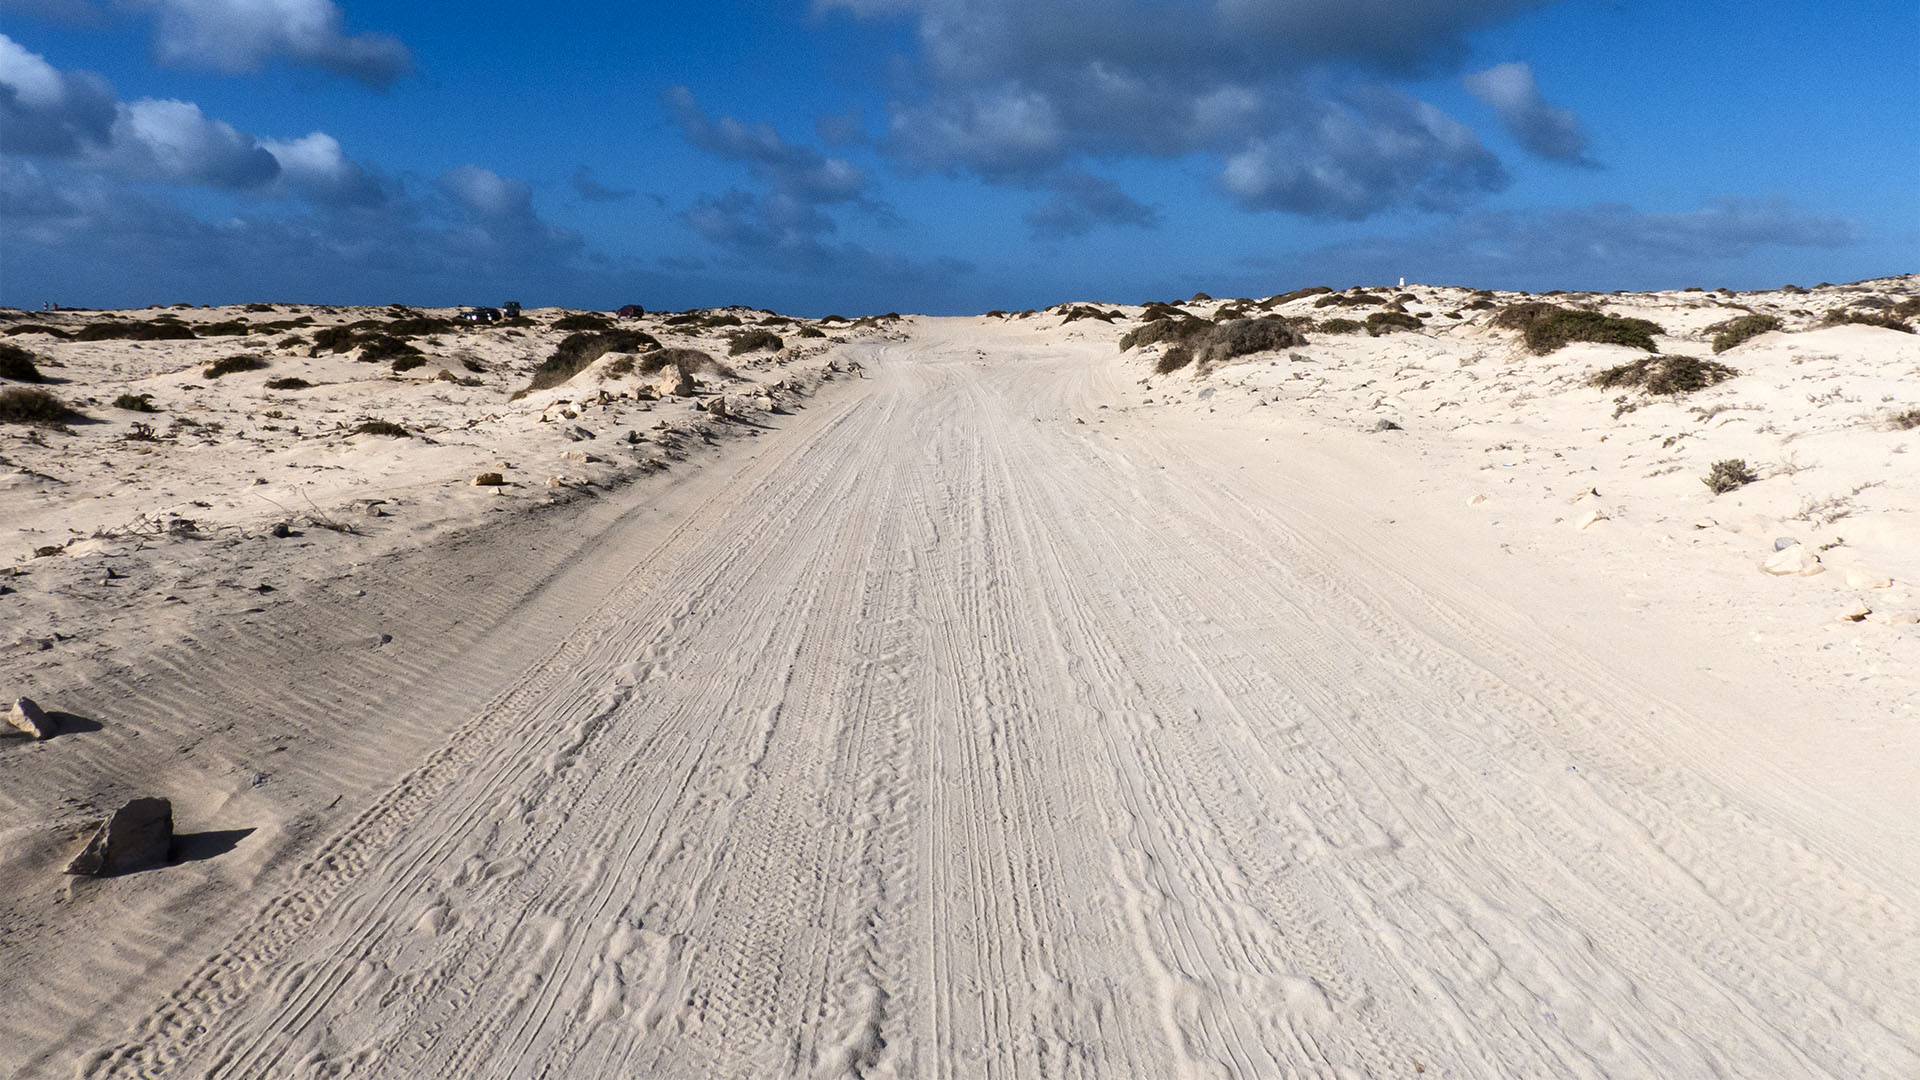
[(1905, 420), (691, 361), (1183, 328), (1670, 375), (135, 403), (227, 328), (1242, 336), (39, 328), (576, 351), (381, 427), (809, 332), (291, 382), (1386, 322), (582, 321), (1734, 331), (1846, 316), (135, 331), (1178, 355), (713, 321), (383, 347), (32, 405), (232, 364), (1081, 311), (408, 363), (1339, 326), (1727, 475), (1297, 294), (1547, 327), (748, 340), (17, 364)]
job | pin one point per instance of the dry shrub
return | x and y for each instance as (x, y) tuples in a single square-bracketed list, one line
[(691, 361), (289, 383), (1386, 322), (583, 321), (135, 331), (1734, 331), (1339, 326), (32, 405), (748, 340), (409, 362), (1547, 327), (1727, 475), (378, 347), (233, 364), (809, 332), (1177, 356), (1905, 420), (1669, 375), (135, 403), (39, 328), (1183, 328), (1243, 336), (17, 364), (1297, 294), (382, 427), (1850, 316), (576, 351)]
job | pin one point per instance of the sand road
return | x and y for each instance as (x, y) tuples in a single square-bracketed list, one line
[(952, 737)]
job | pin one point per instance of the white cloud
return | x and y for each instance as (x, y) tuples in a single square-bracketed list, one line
[(242, 35), (1547, 131)]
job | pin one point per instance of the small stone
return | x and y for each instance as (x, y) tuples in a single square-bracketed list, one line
[(281, 530), (1705, 523), (672, 381), (576, 433), (1782, 543), (1386, 425), (1855, 612), (489, 479), (1794, 560), (1590, 518), (31, 719), (1476, 500), (137, 836), (1865, 579), (718, 406)]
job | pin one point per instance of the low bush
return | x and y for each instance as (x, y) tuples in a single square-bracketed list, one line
[(32, 405), (576, 351), (418, 326), (1339, 326), (233, 364), (713, 321), (1177, 356), (408, 363), (333, 339), (1668, 375), (1386, 322), (1479, 304), (228, 328), (691, 361), (135, 331), (1734, 331), (258, 308), (291, 382), (472, 364), (1546, 327), (380, 347), (1297, 294), (1243, 336), (1905, 420), (749, 340), (1850, 316), (1081, 311), (135, 403), (1727, 475), (17, 364), (381, 427), (809, 332), (1358, 299), (1183, 328), (39, 328), (583, 321)]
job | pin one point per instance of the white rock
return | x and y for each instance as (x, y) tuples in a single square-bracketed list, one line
[(1590, 518), (31, 719), (1863, 579), (1894, 618), (1855, 612), (1476, 500), (1796, 560)]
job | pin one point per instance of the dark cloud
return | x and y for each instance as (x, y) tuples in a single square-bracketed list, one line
[(242, 35), (1080, 202), (1547, 131), (797, 173), (585, 186), (1011, 91), (45, 111)]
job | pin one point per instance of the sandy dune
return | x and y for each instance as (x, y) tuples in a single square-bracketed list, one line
[(1015, 712)]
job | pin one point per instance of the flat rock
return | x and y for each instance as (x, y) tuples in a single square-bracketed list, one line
[(1855, 612), (138, 835), (1782, 543), (1790, 561), (32, 719), (576, 433), (489, 479), (1865, 579)]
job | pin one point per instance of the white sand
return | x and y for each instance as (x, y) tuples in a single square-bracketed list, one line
[(982, 719)]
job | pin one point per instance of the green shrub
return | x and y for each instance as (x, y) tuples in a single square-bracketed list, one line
[(408, 363), (1081, 311), (1546, 327), (135, 331), (1734, 331), (39, 328), (135, 403), (32, 405), (1339, 326), (1178, 355), (1479, 303), (712, 321), (749, 340), (1357, 299), (1669, 375), (381, 427), (809, 332), (17, 364), (576, 351), (1386, 322), (583, 321), (1183, 328), (1846, 316), (228, 328), (1242, 336), (380, 347), (1727, 475), (333, 339), (1297, 294), (291, 382), (232, 364), (418, 326)]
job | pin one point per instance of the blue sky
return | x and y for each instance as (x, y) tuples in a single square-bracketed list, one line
[(944, 155)]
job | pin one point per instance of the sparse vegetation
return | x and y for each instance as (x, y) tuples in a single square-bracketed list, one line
[(135, 403), (1546, 327), (408, 363), (1905, 420), (1734, 331), (291, 382), (1846, 316), (1177, 355), (17, 364), (135, 331), (1727, 475), (749, 340), (691, 361), (1081, 311), (1386, 322), (32, 405), (1297, 294), (713, 321), (576, 351), (380, 347), (233, 364), (1243, 336), (809, 332), (39, 328), (1183, 328), (1339, 326), (381, 427), (227, 328), (583, 321), (1668, 375)]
